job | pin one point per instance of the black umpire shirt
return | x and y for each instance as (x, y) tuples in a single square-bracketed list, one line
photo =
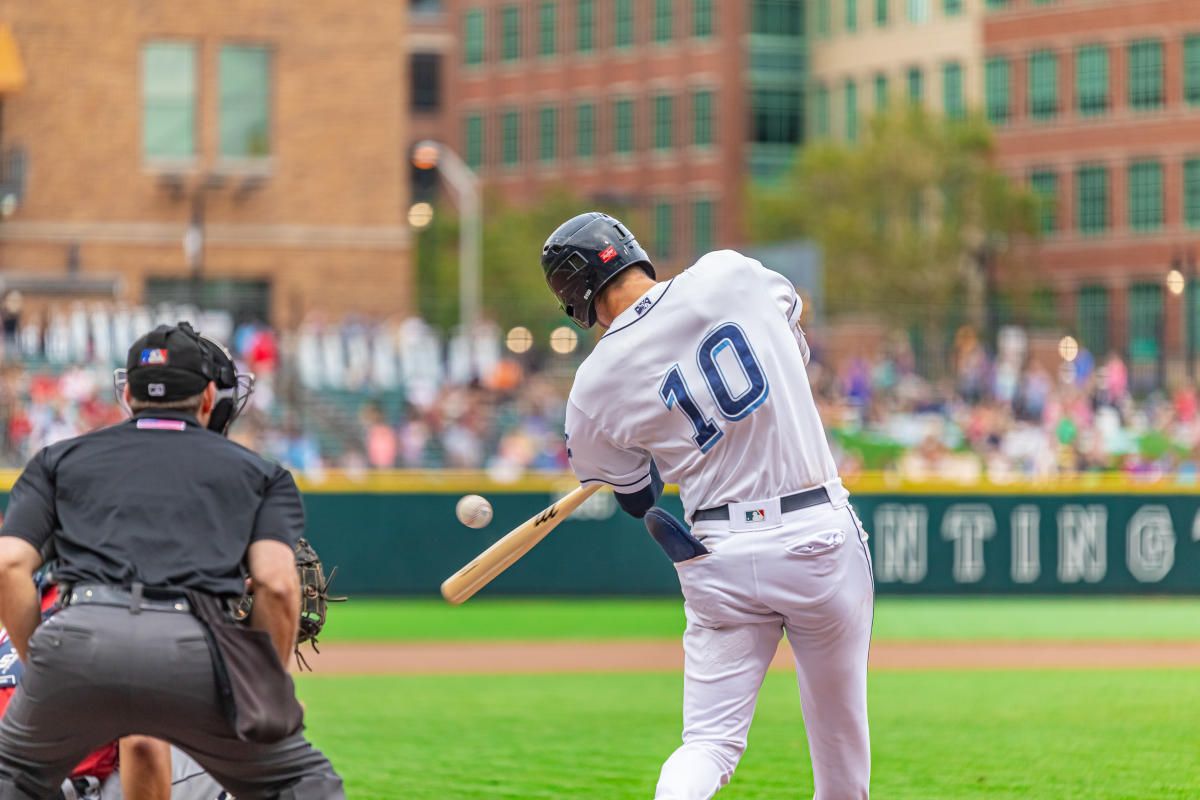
[(157, 499)]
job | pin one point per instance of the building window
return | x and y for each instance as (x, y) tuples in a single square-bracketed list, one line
[(702, 118), (663, 229), (851, 100), (1191, 70), (997, 78), (510, 138), (1145, 195), (473, 36), (510, 33), (1091, 310), (823, 27), (548, 133), (821, 110), (1146, 74), (547, 29), (1043, 85), (952, 8), (881, 12), (662, 20), (585, 26), (881, 92), (780, 17), (1145, 322), (426, 70), (917, 10), (851, 16), (1091, 199), (473, 140), (245, 98), (623, 126), (702, 18), (1044, 184), (702, 226), (1191, 192), (664, 113), (1091, 79), (916, 85), (585, 130), (168, 100), (623, 23), (995, 4), (954, 105), (776, 116)]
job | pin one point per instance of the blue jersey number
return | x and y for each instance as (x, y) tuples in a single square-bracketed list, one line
[(674, 389)]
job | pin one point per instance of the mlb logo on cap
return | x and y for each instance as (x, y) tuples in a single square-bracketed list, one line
[(757, 515), (153, 357)]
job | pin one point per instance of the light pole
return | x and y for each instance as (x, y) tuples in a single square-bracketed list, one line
[(428, 154)]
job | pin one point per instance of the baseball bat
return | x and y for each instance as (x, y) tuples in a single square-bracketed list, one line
[(484, 568)]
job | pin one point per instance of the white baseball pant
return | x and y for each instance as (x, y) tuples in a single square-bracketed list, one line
[(811, 578)]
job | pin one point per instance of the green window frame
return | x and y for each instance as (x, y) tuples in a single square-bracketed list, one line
[(1043, 84), (1091, 80), (474, 36), (917, 11), (702, 118), (1145, 322), (510, 138), (622, 23), (850, 100), (547, 134), (851, 18), (663, 22), (702, 18), (779, 17), (703, 218), (1191, 69), (1146, 74), (954, 104), (585, 26), (1191, 192), (916, 85), (881, 92), (510, 33), (1091, 314), (881, 12), (821, 110), (473, 140), (952, 8), (664, 121), (585, 130), (169, 100), (776, 116), (993, 5), (1091, 199), (1044, 185), (997, 89), (1145, 185), (823, 15), (663, 229), (548, 28), (623, 126)]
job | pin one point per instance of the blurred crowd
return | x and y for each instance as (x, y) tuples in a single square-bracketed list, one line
[(356, 395)]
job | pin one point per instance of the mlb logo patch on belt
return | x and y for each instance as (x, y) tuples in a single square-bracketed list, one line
[(756, 515), (153, 357)]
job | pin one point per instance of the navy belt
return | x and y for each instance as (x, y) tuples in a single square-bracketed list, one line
[(793, 502), (99, 594)]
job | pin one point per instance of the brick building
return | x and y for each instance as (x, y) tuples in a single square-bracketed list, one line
[(272, 131), (1097, 106), (666, 106)]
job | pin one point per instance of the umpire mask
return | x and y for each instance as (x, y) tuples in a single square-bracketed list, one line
[(233, 388)]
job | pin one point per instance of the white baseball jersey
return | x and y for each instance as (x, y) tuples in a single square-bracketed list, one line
[(706, 375)]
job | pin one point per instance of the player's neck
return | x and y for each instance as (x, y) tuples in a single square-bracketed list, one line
[(621, 295)]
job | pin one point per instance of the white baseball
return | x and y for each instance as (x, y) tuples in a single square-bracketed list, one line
[(473, 511)]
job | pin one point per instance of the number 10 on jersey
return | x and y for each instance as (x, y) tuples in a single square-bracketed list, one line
[(674, 390)]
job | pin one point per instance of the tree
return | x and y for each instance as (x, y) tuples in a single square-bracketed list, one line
[(909, 220)]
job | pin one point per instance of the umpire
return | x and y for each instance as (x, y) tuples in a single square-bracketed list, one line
[(151, 519)]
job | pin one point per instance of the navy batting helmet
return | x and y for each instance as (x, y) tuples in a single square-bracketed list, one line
[(583, 255)]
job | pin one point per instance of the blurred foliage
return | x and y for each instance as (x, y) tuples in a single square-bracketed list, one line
[(905, 218)]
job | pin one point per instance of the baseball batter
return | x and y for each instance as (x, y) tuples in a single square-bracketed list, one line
[(702, 380)]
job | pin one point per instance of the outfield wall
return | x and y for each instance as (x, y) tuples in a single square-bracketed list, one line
[(396, 533)]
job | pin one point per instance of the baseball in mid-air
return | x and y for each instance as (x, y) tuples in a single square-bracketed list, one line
[(473, 511)]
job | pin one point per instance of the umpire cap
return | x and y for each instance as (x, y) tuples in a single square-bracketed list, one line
[(583, 255), (169, 363)]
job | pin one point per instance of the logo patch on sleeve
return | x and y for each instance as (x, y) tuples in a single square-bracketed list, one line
[(153, 357), (608, 254), (643, 306)]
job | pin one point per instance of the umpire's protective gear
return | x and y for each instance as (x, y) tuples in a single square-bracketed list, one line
[(583, 255)]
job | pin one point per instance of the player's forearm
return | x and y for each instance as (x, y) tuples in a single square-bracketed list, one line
[(20, 606), (277, 611)]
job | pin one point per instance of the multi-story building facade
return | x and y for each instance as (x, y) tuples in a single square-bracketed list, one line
[(865, 54), (1097, 105), (247, 154), (663, 106)]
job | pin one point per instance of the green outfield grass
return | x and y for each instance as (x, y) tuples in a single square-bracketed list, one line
[(948, 619), (937, 736)]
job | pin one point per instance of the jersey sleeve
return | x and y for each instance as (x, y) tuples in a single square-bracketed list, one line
[(595, 457), (31, 513), (281, 515), (785, 297)]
